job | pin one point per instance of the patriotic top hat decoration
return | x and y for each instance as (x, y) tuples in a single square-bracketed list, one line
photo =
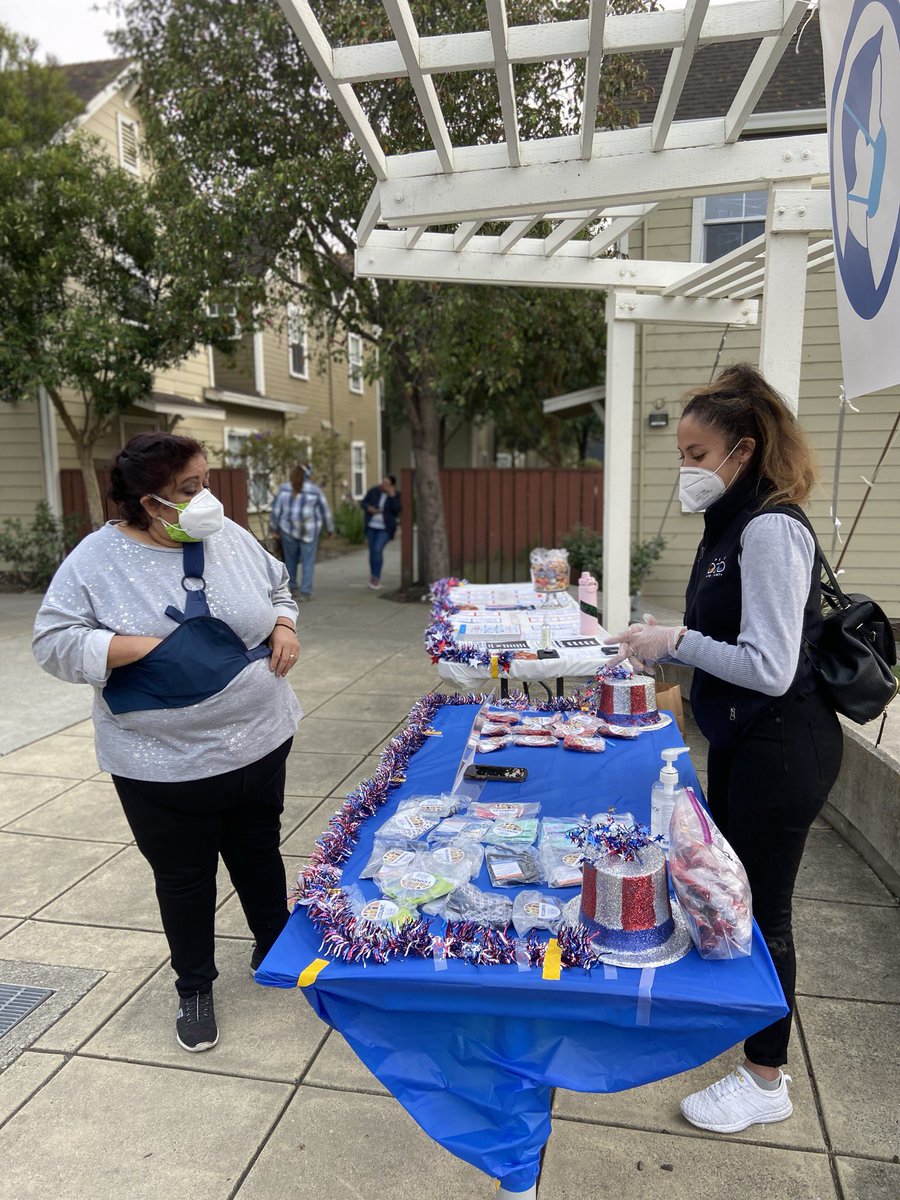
[(625, 897)]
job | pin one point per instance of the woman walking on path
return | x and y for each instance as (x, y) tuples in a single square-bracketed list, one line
[(299, 512), (381, 504), (185, 627), (775, 744)]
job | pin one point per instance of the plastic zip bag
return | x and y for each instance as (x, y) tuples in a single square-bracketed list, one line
[(710, 882), (533, 910)]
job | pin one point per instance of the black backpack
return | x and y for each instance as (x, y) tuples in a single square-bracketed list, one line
[(853, 657)]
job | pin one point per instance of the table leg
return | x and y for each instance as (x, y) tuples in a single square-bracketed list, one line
[(560, 687), (504, 687)]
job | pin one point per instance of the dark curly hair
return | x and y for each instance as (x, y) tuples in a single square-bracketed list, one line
[(147, 463), (740, 403)]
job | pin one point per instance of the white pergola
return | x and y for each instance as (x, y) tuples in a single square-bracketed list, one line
[(599, 180)]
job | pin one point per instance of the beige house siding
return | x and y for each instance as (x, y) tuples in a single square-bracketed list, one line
[(672, 358), (20, 461)]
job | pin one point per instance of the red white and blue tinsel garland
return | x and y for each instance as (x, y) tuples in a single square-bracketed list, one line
[(349, 939), (440, 637)]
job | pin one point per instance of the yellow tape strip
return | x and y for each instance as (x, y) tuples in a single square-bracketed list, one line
[(495, 667), (309, 974), (552, 960)]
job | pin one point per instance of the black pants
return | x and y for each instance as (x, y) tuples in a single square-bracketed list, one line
[(764, 793), (182, 828)]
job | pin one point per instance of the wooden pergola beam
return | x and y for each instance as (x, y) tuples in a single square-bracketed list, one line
[(629, 33), (677, 72), (496, 11), (591, 92), (403, 25)]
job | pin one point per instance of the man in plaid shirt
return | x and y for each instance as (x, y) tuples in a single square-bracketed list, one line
[(298, 513)]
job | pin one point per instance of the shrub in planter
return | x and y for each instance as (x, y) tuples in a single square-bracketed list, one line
[(349, 522), (585, 547)]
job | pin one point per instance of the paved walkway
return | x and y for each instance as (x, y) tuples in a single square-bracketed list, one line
[(105, 1106)]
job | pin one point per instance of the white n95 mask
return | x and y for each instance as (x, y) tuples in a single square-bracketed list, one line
[(198, 518), (698, 488)]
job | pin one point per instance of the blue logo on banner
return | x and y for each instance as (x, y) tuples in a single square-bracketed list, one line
[(864, 146)]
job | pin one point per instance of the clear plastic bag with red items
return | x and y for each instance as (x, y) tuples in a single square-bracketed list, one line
[(710, 882)]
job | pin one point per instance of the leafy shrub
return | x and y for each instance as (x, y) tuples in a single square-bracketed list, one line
[(585, 547), (31, 553), (349, 522)]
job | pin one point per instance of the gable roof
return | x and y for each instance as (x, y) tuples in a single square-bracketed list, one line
[(797, 85), (88, 79)]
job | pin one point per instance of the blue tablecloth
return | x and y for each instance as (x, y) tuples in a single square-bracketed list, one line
[(472, 1052)]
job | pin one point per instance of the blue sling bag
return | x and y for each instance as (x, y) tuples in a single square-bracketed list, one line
[(199, 658)]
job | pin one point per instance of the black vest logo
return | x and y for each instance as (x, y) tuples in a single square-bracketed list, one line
[(716, 567)]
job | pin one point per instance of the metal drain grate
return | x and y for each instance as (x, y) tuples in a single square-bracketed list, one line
[(16, 1002)]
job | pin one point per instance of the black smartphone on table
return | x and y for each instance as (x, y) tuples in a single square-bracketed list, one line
[(488, 772)]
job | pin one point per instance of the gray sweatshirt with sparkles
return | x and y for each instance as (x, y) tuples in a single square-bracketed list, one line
[(112, 584)]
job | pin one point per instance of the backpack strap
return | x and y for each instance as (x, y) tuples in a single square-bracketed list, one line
[(193, 561)]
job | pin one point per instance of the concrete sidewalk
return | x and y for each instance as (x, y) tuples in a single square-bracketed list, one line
[(103, 1105)]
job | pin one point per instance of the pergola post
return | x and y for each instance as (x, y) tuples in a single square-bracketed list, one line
[(617, 455), (784, 301)]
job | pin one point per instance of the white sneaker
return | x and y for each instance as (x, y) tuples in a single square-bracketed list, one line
[(733, 1103)]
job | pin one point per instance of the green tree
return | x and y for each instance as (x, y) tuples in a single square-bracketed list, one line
[(103, 275), (231, 98)]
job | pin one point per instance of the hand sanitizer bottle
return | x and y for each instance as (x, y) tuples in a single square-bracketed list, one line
[(663, 795)]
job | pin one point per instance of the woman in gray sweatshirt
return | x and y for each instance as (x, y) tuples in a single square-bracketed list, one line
[(185, 627)]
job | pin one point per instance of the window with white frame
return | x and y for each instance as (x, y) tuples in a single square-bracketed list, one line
[(355, 363), (225, 310), (723, 223), (258, 483), (129, 144), (298, 343), (357, 470)]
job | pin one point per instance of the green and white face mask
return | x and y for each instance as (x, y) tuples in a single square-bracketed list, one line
[(198, 518)]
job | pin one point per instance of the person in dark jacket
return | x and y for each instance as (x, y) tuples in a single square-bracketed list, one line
[(775, 744), (381, 504)]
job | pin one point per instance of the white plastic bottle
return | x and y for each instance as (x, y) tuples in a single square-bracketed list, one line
[(663, 795), (589, 626)]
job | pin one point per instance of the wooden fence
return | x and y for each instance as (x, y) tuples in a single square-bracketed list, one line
[(496, 516), (228, 483)]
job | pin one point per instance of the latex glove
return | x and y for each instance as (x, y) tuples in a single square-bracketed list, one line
[(646, 642)]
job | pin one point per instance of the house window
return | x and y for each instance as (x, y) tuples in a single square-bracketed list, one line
[(225, 310), (723, 223), (298, 343), (129, 148), (358, 470), (258, 483), (355, 363)]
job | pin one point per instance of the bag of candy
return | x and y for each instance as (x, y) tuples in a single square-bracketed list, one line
[(533, 910), (584, 742), (710, 882)]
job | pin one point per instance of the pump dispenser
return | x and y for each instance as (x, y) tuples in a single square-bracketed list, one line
[(663, 795)]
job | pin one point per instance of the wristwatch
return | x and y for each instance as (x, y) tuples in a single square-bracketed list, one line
[(680, 637)]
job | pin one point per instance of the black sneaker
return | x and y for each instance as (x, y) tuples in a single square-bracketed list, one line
[(256, 959), (195, 1025)]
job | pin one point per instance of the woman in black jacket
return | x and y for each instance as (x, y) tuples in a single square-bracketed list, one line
[(381, 504), (775, 745)]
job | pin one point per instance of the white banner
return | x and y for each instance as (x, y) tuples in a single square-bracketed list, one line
[(861, 49)]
